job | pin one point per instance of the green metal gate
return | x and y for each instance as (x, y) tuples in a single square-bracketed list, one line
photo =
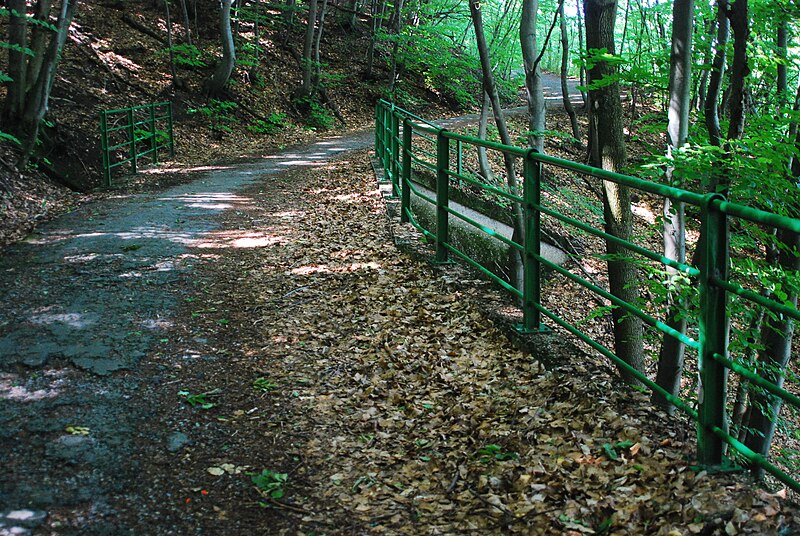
[(136, 133)]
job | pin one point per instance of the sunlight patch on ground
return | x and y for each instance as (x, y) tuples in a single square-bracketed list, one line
[(644, 213), (182, 170), (74, 320), (327, 269), (238, 239)]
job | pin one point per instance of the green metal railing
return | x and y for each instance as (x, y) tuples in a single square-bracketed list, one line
[(403, 150), (138, 132)]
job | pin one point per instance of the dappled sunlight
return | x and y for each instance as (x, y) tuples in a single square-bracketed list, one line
[(238, 239), (18, 393), (644, 213), (328, 269), (73, 320), (182, 170), (212, 201)]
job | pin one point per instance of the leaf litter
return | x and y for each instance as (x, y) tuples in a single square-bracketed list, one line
[(396, 404)]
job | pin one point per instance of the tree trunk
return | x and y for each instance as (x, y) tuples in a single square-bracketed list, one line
[(216, 83), (307, 89), (317, 40), (37, 99), (582, 68), (740, 24), (483, 160), (38, 43), (18, 39), (397, 21), (607, 150), (670, 359), (717, 72), (187, 28), (169, 46), (500, 121), (533, 78), (573, 119)]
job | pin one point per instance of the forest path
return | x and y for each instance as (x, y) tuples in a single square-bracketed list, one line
[(272, 288)]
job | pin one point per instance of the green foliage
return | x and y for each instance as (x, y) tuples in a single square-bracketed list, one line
[(492, 452), (4, 136), (264, 385), (218, 113), (274, 123), (186, 55), (271, 484), (317, 116), (199, 399)]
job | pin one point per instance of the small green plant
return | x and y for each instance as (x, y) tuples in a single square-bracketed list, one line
[(218, 113), (272, 124), (269, 483), (610, 450), (186, 55), (199, 399), (264, 385), (494, 452)]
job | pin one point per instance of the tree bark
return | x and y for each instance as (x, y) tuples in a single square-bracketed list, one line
[(317, 40), (37, 99), (216, 83), (307, 89), (397, 26), (740, 24), (607, 150), (187, 28), (17, 37), (490, 88), (671, 355), (483, 160), (533, 78), (711, 108), (573, 118)]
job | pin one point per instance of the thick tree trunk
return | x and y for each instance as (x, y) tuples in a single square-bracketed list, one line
[(573, 118), (607, 150), (216, 83), (533, 78), (670, 359), (500, 121), (38, 43), (740, 24)]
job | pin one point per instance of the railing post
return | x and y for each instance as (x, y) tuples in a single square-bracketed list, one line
[(153, 138), (713, 330), (132, 133), (405, 181), (387, 116), (104, 148), (532, 289), (378, 109), (459, 158), (170, 131), (442, 195), (395, 154)]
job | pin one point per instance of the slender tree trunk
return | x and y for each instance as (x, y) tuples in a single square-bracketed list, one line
[(187, 28), (38, 43), (670, 360), (582, 68), (307, 89), (533, 78), (169, 46), (317, 40), (607, 150), (500, 121), (216, 83), (483, 160), (37, 99), (18, 39), (397, 26), (573, 118), (717, 72)]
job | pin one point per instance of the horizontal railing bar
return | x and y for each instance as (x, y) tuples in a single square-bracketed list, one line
[(486, 187), (419, 194), (646, 318), (685, 268), (487, 230), (483, 270), (672, 399), (737, 289), (477, 142), (783, 394), (758, 216)]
